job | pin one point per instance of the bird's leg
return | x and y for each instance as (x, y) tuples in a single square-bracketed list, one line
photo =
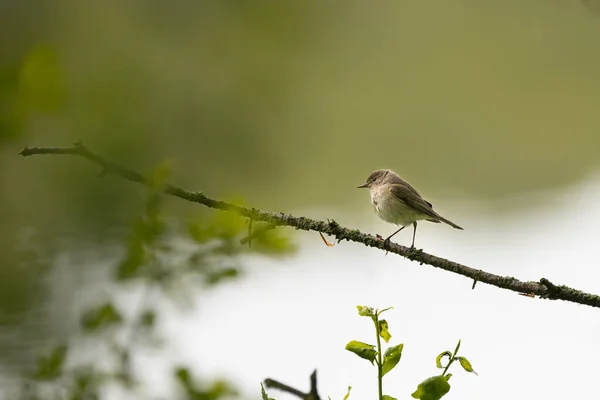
[(412, 246), (389, 237)]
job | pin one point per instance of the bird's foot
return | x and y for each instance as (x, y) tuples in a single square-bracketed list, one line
[(385, 243), (413, 250)]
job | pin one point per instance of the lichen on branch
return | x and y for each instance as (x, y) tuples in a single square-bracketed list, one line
[(543, 288)]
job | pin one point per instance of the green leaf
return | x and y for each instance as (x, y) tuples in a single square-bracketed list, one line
[(212, 278), (386, 397), (466, 364), (433, 388), (383, 330), (457, 347), (85, 385), (50, 368), (438, 359), (160, 175), (201, 233), (57, 359), (42, 81), (275, 242), (183, 377), (134, 259), (379, 312), (13, 113), (391, 357), (229, 225), (365, 311), (148, 318), (264, 394), (219, 389), (348, 393), (362, 350), (100, 317)]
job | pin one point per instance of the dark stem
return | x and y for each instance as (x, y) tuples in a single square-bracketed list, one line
[(311, 395), (257, 233)]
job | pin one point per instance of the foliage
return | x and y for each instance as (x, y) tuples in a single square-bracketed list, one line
[(347, 395), (263, 393), (153, 264), (435, 387), (432, 388), (34, 85), (385, 362)]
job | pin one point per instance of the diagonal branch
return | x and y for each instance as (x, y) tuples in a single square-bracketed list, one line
[(544, 288), (313, 394)]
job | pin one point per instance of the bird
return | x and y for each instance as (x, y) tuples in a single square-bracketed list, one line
[(397, 202)]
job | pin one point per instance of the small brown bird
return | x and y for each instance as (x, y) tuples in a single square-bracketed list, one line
[(397, 202)]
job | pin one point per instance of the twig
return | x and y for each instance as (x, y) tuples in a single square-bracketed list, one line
[(332, 228), (325, 241), (257, 233), (311, 395)]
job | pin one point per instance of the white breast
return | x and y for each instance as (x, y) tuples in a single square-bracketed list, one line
[(392, 210)]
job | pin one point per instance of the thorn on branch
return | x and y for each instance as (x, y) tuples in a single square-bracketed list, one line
[(531, 295), (313, 394), (475, 279)]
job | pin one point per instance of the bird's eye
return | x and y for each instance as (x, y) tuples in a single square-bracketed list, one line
[(373, 180)]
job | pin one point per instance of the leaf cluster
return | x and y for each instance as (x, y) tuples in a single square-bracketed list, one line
[(386, 362), (432, 388), (435, 387), (159, 261)]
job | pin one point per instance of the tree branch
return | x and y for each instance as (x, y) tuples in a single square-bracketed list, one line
[(543, 289), (313, 394)]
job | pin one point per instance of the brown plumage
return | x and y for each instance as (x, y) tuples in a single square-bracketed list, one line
[(396, 201)]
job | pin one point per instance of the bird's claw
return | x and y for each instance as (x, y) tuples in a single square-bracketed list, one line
[(413, 249)]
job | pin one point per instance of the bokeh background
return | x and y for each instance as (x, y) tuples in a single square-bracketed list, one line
[(489, 109)]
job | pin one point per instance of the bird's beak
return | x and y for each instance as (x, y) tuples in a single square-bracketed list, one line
[(364, 185)]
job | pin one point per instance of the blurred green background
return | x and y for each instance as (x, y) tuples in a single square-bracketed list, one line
[(289, 105)]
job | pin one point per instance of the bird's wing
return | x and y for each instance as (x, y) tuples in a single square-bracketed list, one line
[(409, 196), (414, 191)]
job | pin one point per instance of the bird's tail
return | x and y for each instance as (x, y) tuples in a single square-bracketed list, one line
[(452, 224)]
